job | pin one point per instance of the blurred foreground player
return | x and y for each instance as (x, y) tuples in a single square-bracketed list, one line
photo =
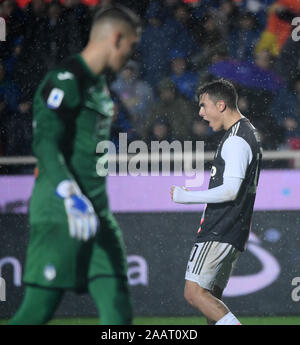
[(75, 242), (225, 223)]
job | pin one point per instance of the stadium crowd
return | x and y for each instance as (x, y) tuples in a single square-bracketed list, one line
[(183, 44)]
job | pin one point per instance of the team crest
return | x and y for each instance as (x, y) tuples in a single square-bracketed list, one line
[(213, 171)]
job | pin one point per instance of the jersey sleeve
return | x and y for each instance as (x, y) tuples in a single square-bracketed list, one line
[(60, 91), (54, 109), (237, 155), (226, 192)]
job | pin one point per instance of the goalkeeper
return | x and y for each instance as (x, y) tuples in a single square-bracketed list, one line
[(75, 242)]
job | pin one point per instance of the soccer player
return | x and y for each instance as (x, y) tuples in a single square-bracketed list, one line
[(225, 223), (75, 242)]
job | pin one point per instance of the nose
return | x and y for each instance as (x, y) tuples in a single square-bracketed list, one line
[(201, 112)]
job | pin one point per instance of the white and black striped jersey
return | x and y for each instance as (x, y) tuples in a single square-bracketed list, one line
[(238, 155)]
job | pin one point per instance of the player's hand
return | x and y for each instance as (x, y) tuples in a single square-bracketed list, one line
[(173, 188), (82, 219)]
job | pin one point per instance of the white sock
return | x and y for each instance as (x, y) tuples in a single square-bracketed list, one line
[(228, 319)]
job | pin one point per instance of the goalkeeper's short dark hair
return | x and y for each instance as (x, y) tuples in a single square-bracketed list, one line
[(220, 90), (118, 13)]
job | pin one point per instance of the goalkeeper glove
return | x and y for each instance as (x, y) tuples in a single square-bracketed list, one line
[(82, 219)]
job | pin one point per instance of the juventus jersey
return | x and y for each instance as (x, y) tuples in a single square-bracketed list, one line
[(229, 222)]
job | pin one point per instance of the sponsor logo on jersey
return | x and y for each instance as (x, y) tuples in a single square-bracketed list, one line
[(65, 76), (55, 98)]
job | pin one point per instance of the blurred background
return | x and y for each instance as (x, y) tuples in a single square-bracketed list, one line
[(184, 43)]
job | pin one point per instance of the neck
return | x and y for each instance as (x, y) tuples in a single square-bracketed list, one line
[(231, 118), (95, 62)]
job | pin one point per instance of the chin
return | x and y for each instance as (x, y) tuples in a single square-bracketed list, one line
[(216, 129), (115, 69)]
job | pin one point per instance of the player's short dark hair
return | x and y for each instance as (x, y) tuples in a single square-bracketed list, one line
[(220, 90), (119, 13)]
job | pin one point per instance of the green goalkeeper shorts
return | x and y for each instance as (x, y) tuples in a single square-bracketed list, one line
[(56, 260)]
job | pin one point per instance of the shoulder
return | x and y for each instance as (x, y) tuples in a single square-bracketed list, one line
[(243, 129), (235, 141), (60, 87), (235, 146), (249, 133), (237, 155)]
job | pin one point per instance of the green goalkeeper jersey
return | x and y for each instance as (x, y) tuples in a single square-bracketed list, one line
[(72, 113)]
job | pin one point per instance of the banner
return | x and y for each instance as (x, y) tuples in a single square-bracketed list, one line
[(265, 282), (277, 190)]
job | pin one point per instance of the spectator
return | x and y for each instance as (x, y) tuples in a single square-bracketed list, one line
[(217, 56), (210, 38), (186, 81), (226, 16), (155, 46), (177, 110), (31, 65), (181, 25), (11, 62), (9, 92), (56, 38), (200, 8), (243, 40), (160, 130), (257, 86), (264, 60), (121, 123), (169, 7), (286, 109), (135, 94), (15, 117), (259, 8), (289, 71), (256, 104), (77, 18), (261, 102)]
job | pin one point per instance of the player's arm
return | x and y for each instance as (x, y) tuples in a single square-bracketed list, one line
[(226, 192), (237, 155), (55, 110), (54, 100)]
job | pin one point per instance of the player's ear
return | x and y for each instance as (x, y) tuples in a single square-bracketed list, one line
[(221, 105)]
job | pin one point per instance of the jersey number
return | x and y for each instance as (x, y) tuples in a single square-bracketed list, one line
[(194, 252)]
